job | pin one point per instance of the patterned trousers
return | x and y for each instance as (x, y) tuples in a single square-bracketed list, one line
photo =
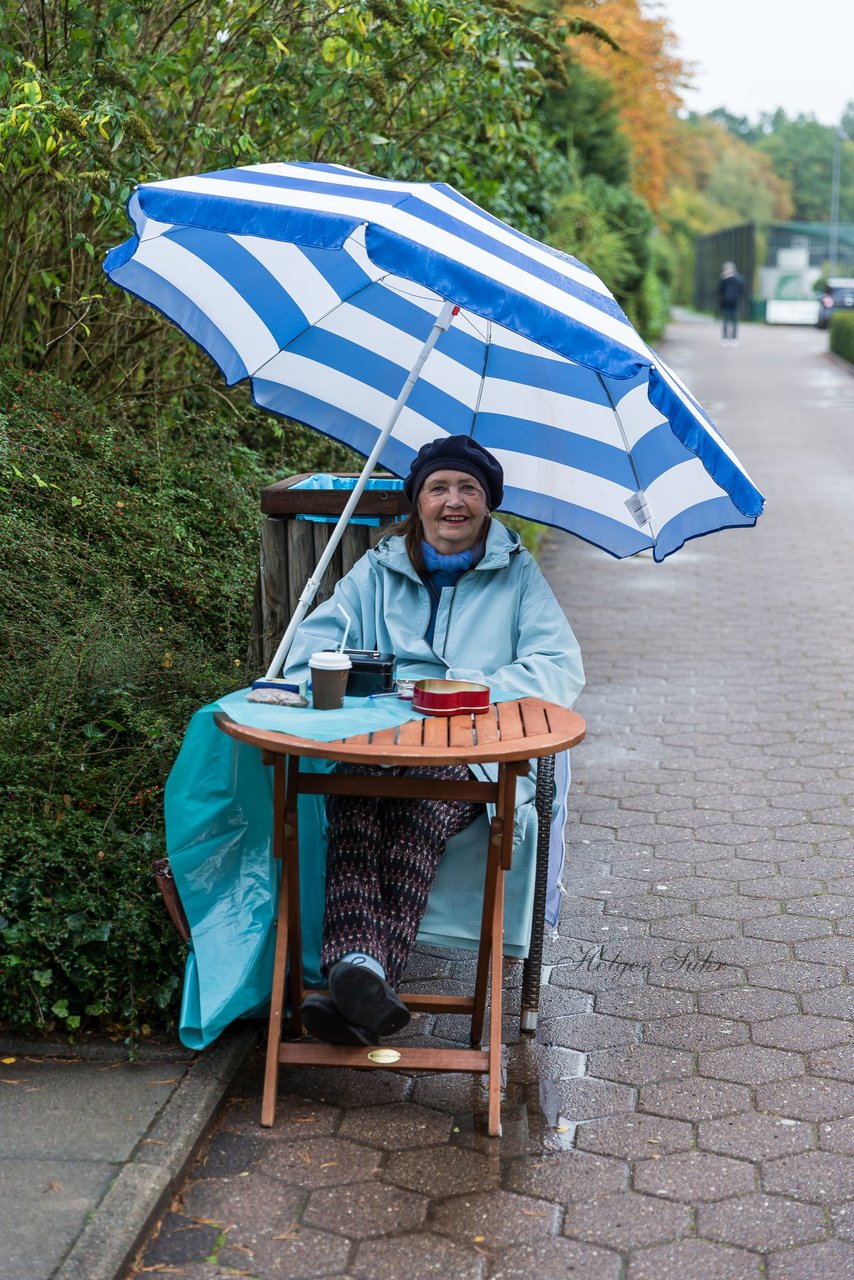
[(381, 862)]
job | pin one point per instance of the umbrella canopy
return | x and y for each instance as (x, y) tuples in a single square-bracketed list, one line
[(321, 284)]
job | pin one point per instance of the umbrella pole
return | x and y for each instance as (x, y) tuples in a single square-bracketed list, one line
[(309, 591)]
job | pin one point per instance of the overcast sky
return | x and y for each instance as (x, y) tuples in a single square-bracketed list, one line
[(755, 56)]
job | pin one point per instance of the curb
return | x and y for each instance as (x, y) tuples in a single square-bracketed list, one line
[(144, 1186), (840, 362)]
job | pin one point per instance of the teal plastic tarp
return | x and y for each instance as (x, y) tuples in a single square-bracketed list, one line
[(219, 838)]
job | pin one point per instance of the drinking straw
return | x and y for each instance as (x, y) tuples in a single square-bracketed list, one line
[(346, 629)]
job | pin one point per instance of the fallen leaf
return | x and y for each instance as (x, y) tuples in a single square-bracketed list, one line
[(52, 1186), (8, 1080), (478, 1239), (7, 1062)]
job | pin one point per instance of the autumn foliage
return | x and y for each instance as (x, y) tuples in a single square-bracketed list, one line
[(646, 76)]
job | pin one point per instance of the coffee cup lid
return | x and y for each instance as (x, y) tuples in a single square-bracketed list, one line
[(326, 660)]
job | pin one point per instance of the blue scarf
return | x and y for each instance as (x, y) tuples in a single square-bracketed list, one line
[(456, 562), (443, 571)]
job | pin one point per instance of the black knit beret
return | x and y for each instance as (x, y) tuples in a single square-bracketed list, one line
[(456, 453)]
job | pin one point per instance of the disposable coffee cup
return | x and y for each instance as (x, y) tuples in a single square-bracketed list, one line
[(329, 672)]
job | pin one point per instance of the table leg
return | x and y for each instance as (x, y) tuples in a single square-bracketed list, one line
[(506, 809), (500, 847), (484, 951), (277, 998), (495, 1008), (291, 852)]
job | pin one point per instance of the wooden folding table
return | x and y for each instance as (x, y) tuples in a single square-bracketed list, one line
[(510, 734)]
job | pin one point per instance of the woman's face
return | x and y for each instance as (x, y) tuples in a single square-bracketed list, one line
[(452, 507)]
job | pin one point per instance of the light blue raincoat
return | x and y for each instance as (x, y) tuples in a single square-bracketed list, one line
[(500, 621)]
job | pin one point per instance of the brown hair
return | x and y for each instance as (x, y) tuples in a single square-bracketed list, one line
[(412, 532)]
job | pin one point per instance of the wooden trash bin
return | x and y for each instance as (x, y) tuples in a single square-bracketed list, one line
[(291, 548)]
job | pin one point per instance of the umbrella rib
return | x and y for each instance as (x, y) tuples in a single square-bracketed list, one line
[(626, 445), (476, 410)]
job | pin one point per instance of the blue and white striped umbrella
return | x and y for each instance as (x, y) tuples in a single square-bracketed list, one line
[(320, 284)]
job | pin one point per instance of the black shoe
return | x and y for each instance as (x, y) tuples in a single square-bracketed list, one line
[(366, 999), (324, 1021)]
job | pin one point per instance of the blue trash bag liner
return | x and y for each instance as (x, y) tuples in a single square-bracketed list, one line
[(324, 481)]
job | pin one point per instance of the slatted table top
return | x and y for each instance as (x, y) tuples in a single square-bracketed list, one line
[(520, 730)]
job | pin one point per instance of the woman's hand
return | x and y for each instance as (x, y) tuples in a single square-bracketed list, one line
[(471, 674)]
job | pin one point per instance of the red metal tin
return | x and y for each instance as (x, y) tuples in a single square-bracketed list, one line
[(450, 697)]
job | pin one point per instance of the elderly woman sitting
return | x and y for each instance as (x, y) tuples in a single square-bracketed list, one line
[(452, 593)]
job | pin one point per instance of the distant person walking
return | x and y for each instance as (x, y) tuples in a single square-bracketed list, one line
[(730, 293)]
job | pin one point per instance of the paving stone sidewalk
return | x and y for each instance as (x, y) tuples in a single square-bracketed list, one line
[(685, 1112)]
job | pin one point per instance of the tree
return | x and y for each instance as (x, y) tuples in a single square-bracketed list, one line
[(724, 181), (584, 121), (737, 180), (743, 181), (96, 98), (612, 231), (646, 76), (801, 152), (580, 226), (738, 126)]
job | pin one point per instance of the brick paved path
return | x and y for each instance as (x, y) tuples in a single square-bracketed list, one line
[(686, 1112)]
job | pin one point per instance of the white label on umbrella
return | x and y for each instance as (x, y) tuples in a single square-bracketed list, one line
[(638, 508)]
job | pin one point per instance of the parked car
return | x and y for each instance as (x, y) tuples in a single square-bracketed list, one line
[(839, 296)]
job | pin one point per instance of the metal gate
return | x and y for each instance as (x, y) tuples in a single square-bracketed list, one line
[(733, 244)]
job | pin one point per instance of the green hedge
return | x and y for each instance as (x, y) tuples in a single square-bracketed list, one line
[(127, 566), (842, 335)]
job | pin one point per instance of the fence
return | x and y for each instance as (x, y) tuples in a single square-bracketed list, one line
[(733, 244)]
